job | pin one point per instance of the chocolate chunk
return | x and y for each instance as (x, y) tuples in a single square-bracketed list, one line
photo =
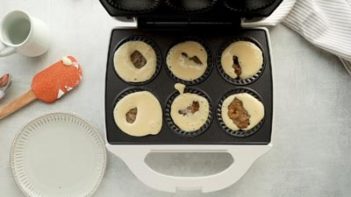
[(238, 114), (138, 59), (236, 66), (194, 58), (194, 107), (184, 55), (4, 80), (131, 115)]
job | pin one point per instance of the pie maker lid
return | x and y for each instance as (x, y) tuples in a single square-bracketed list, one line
[(190, 10)]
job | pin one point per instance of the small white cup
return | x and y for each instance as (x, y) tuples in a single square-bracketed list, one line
[(23, 34)]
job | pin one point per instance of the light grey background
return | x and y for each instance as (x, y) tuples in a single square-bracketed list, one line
[(312, 110)]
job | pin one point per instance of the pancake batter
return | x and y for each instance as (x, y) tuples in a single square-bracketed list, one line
[(139, 114), (189, 111), (187, 60), (242, 59), (242, 112), (135, 61)]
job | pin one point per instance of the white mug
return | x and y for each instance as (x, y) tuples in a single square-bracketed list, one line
[(23, 34)]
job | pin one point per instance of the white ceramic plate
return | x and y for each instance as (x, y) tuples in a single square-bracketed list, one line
[(58, 155)]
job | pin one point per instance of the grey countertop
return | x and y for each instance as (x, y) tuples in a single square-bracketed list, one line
[(312, 111)]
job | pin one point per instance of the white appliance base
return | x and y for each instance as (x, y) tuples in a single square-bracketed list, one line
[(243, 157)]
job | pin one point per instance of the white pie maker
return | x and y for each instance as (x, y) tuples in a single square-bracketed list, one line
[(134, 154)]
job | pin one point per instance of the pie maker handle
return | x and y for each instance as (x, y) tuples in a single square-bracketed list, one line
[(243, 158), (6, 50)]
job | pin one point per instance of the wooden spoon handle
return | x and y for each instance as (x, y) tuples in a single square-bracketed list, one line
[(17, 104)]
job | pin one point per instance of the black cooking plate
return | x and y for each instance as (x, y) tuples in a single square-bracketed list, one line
[(219, 10), (215, 86)]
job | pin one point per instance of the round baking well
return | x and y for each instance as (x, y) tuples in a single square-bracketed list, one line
[(238, 80), (173, 126), (240, 132), (136, 47), (181, 64)]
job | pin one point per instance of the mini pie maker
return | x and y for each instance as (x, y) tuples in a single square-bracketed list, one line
[(215, 24)]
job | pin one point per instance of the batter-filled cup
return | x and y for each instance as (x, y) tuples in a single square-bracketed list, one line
[(137, 60), (189, 62), (240, 112), (138, 113), (188, 111), (240, 61)]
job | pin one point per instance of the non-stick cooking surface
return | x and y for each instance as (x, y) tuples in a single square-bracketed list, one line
[(215, 86)]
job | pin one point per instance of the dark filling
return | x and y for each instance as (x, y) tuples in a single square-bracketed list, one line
[(236, 65), (238, 114), (138, 59), (194, 107), (194, 58), (4, 80), (131, 115)]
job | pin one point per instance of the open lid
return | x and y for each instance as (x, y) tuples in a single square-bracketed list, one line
[(191, 10)]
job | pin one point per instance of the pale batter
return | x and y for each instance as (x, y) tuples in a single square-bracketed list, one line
[(187, 60), (135, 61), (189, 111), (253, 106), (242, 59), (148, 117)]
